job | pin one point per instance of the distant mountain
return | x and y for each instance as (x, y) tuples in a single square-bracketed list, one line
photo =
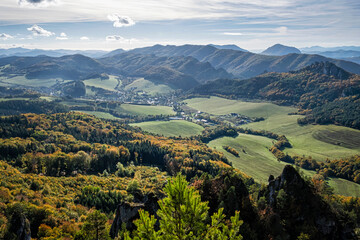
[(330, 92), (280, 50), (178, 71), (353, 59), (113, 53), (317, 49), (340, 54), (72, 67), (244, 64), (229, 46), (24, 52)]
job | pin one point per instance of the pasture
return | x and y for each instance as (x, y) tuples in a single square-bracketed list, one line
[(256, 161), (144, 110), (148, 87), (170, 128)]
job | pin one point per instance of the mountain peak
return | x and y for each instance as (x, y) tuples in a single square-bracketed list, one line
[(229, 46), (280, 50)]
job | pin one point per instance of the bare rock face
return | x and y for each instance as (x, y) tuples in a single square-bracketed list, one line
[(20, 226), (127, 212), (295, 208)]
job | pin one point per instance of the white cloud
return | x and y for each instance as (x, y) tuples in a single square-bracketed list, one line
[(114, 38), (37, 3), (121, 21), (233, 33), (281, 30), (63, 36), (84, 38), (4, 36), (39, 31)]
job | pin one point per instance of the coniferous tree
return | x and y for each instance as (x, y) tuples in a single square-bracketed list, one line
[(183, 216)]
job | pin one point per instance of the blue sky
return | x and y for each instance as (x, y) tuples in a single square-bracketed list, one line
[(111, 24)]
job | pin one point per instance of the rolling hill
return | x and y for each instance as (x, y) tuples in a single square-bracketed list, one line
[(329, 92), (182, 72), (244, 64), (72, 67), (178, 71)]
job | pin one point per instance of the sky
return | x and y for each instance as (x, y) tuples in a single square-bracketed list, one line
[(127, 24)]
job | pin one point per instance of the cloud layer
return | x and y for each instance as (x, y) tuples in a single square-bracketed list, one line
[(4, 36), (37, 3), (121, 21), (39, 31), (114, 38), (63, 36)]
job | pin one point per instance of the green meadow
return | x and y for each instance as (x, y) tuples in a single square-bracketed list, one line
[(149, 87), (170, 128), (144, 110), (319, 141), (107, 84)]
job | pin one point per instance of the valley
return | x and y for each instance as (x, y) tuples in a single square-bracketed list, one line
[(143, 124)]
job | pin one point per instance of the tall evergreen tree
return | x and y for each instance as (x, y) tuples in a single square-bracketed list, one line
[(183, 216)]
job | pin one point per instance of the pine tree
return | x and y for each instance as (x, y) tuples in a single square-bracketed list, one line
[(183, 216)]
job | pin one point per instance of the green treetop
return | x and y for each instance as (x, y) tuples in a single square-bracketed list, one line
[(183, 216)]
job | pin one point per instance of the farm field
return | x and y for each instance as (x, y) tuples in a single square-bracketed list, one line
[(107, 84), (144, 110), (256, 160), (170, 128), (22, 80), (221, 106), (98, 114), (319, 141), (149, 87)]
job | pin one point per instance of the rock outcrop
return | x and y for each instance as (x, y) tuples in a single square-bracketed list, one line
[(295, 208), (127, 212)]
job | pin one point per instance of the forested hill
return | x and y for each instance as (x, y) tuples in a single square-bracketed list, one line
[(332, 93), (71, 175), (245, 64), (182, 72), (177, 71)]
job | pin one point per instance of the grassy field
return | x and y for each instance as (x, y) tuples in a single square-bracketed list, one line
[(254, 157), (22, 80), (144, 110), (171, 128), (149, 87), (12, 99), (319, 141), (256, 160), (221, 106), (98, 114), (108, 84)]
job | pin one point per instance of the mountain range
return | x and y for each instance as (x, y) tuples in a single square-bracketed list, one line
[(25, 52), (180, 72), (244, 64)]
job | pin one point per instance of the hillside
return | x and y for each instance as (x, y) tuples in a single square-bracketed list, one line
[(178, 72), (72, 67), (280, 50), (329, 91), (59, 170), (229, 46), (182, 72), (244, 64)]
